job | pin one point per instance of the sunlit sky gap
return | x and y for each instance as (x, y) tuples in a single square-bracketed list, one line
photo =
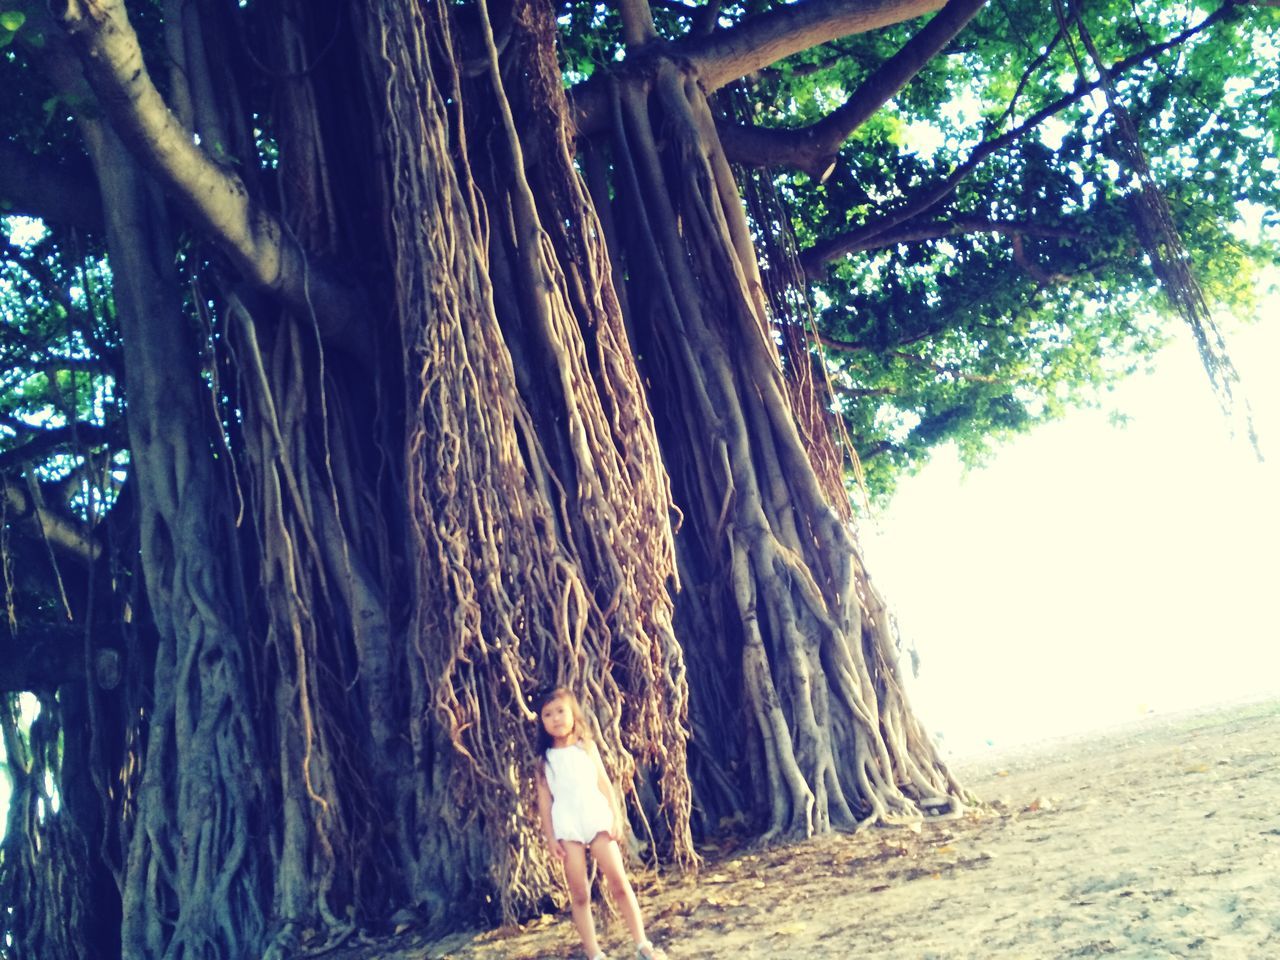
[(1093, 573)]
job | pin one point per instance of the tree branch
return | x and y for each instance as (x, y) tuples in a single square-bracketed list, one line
[(706, 19), (814, 148), (1037, 272), (942, 369), (637, 23), (35, 264), (834, 343), (801, 70), (82, 435), (62, 193), (937, 229), (875, 450), (62, 532), (814, 258), (254, 238), (766, 38), (858, 393), (927, 433), (722, 56)]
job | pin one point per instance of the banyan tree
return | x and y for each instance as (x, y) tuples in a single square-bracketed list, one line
[(372, 364)]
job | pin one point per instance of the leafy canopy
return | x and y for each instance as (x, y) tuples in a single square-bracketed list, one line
[(1021, 293)]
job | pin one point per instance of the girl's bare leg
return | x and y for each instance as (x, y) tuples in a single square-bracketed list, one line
[(575, 872), (609, 859)]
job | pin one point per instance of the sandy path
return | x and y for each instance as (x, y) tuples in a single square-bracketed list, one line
[(1160, 840)]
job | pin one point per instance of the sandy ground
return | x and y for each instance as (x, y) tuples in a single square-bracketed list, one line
[(1161, 839)]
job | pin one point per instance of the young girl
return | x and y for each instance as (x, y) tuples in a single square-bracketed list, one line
[(577, 808)]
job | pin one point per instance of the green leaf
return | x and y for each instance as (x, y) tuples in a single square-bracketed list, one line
[(12, 20)]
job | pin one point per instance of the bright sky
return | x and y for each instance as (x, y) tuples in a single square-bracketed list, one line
[(1092, 573)]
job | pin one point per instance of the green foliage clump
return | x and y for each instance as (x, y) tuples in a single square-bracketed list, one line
[(979, 333)]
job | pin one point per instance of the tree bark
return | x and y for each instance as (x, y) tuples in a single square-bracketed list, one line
[(58, 530), (192, 875), (824, 737)]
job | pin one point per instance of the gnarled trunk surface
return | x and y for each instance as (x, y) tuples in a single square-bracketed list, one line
[(793, 642)]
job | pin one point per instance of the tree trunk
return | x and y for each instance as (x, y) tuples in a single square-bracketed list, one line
[(194, 877), (540, 556), (364, 554), (785, 634)]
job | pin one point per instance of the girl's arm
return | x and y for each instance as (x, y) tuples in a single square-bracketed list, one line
[(544, 816), (606, 787)]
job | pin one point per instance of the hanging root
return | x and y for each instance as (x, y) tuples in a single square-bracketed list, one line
[(831, 731), (507, 537)]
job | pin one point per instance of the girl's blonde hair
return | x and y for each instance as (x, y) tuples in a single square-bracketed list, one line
[(580, 727)]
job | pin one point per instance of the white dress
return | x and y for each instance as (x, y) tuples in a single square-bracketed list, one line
[(579, 810)]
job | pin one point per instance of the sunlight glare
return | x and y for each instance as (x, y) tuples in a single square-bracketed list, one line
[(1091, 574)]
